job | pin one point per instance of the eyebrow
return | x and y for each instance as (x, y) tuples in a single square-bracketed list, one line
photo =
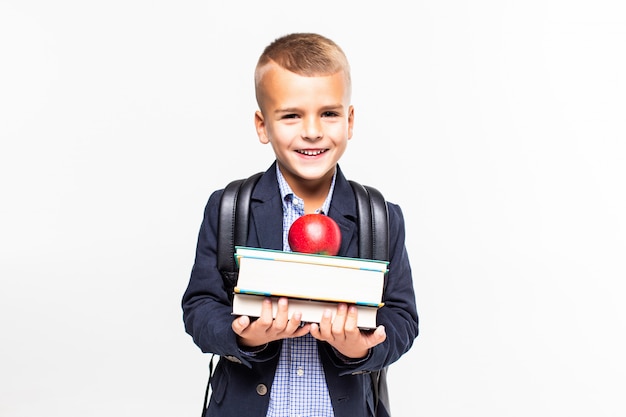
[(296, 109), (286, 110)]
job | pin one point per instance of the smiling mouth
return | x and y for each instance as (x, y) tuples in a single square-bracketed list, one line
[(314, 152)]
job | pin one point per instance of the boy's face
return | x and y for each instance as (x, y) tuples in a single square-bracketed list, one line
[(307, 120)]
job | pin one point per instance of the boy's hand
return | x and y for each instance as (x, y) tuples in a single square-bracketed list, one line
[(343, 334), (266, 329)]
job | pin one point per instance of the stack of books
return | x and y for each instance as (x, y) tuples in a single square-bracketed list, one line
[(312, 283)]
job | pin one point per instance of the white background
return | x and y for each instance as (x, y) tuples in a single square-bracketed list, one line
[(498, 126)]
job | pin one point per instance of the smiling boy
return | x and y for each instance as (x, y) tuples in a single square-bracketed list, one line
[(279, 366)]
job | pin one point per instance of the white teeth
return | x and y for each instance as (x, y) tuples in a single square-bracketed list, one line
[(312, 153)]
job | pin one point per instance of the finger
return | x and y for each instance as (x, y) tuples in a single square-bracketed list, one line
[(380, 335), (296, 327), (315, 331), (325, 325), (302, 330), (294, 323), (282, 317), (376, 337), (340, 320), (240, 324), (350, 326), (267, 313)]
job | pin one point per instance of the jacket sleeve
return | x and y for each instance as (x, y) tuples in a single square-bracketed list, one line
[(207, 309), (399, 313)]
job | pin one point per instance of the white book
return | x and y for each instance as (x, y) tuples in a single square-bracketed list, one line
[(312, 311), (278, 255), (308, 276)]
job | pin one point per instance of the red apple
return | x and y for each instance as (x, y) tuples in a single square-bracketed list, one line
[(315, 233)]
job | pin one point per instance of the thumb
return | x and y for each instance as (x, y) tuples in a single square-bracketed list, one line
[(380, 334), (240, 324)]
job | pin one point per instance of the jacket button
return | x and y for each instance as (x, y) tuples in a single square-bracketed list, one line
[(261, 389), (232, 358)]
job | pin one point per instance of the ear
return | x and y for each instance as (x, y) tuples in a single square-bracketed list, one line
[(261, 131), (350, 121)]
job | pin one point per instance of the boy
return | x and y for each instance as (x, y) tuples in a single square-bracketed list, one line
[(282, 367)]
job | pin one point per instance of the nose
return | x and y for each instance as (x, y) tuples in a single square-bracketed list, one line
[(312, 129)]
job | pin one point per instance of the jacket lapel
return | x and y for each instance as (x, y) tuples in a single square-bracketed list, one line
[(343, 211), (267, 213)]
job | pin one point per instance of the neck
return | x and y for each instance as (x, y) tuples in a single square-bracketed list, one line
[(313, 192)]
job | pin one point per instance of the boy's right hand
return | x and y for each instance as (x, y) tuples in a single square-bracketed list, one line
[(267, 329)]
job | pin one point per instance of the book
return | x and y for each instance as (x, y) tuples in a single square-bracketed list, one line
[(312, 283), (312, 311)]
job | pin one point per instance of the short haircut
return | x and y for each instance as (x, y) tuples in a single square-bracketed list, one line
[(306, 54)]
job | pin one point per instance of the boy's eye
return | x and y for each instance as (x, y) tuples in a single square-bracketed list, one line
[(290, 116), (330, 114)]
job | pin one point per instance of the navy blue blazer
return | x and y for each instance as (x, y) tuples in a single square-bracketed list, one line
[(241, 384)]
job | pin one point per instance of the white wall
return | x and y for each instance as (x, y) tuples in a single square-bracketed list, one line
[(498, 126)]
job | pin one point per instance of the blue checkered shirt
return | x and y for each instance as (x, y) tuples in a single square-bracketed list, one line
[(299, 388)]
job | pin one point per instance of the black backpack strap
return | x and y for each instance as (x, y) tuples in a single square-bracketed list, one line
[(208, 386), (232, 226), (373, 221)]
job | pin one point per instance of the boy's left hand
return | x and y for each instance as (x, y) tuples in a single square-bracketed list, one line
[(343, 334)]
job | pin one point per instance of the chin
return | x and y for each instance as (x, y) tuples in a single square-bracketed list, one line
[(312, 171), (316, 174)]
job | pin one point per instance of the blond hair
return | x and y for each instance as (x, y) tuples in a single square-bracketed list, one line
[(306, 54)]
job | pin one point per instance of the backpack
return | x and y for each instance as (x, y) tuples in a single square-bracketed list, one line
[(233, 231)]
